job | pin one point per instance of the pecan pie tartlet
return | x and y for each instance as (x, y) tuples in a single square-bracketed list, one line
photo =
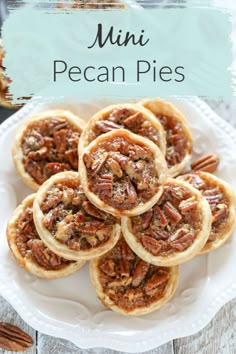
[(68, 223), (129, 116), (222, 201), (30, 251), (47, 143), (174, 230), (130, 286), (178, 136), (4, 82), (122, 173), (92, 4)]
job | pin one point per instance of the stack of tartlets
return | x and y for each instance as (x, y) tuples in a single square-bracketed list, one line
[(117, 191)]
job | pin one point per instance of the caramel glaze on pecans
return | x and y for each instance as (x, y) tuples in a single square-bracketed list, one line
[(171, 225), (30, 245), (176, 140), (125, 118), (215, 196), (73, 220), (128, 281), (122, 174), (50, 146)]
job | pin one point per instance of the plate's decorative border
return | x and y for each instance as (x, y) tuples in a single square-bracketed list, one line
[(86, 338)]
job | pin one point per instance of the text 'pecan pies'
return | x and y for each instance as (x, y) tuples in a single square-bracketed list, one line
[(222, 201), (129, 116), (122, 172), (174, 230), (178, 136), (68, 223), (130, 286), (30, 251), (47, 143)]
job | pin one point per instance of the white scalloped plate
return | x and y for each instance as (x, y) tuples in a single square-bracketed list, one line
[(68, 308)]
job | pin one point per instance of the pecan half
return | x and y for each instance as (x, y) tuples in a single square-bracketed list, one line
[(146, 219), (207, 163), (134, 121), (130, 190), (172, 212), (151, 245), (154, 282), (13, 338), (98, 165), (104, 184), (183, 242), (188, 204), (220, 213), (91, 210), (108, 267), (55, 167), (105, 126), (72, 156), (140, 273)]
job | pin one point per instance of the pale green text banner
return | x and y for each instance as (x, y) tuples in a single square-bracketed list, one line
[(128, 53)]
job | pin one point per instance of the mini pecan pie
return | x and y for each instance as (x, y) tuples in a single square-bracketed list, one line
[(68, 223), (30, 251), (92, 4), (222, 201), (4, 82), (178, 136), (122, 173), (133, 117), (47, 143), (174, 230), (130, 286)]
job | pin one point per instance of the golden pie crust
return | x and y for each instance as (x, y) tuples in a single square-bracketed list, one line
[(180, 132), (74, 122), (28, 261), (145, 287), (154, 170), (166, 239), (225, 225), (129, 116), (57, 241)]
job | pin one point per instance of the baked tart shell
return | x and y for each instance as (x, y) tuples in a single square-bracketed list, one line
[(160, 107), (176, 257), (85, 138), (105, 299), (53, 244), (230, 222), (17, 151), (28, 264), (159, 163)]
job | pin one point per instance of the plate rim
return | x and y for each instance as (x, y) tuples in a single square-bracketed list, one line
[(86, 338)]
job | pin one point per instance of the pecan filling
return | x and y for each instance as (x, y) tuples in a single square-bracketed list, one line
[(50, 146), (122, 173), (176, 140), (124, 118), (73, 220), (171, 225), (217, 200), (129, 281), (30, 246)]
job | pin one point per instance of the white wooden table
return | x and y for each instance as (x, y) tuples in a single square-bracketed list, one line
[(219, 337)]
